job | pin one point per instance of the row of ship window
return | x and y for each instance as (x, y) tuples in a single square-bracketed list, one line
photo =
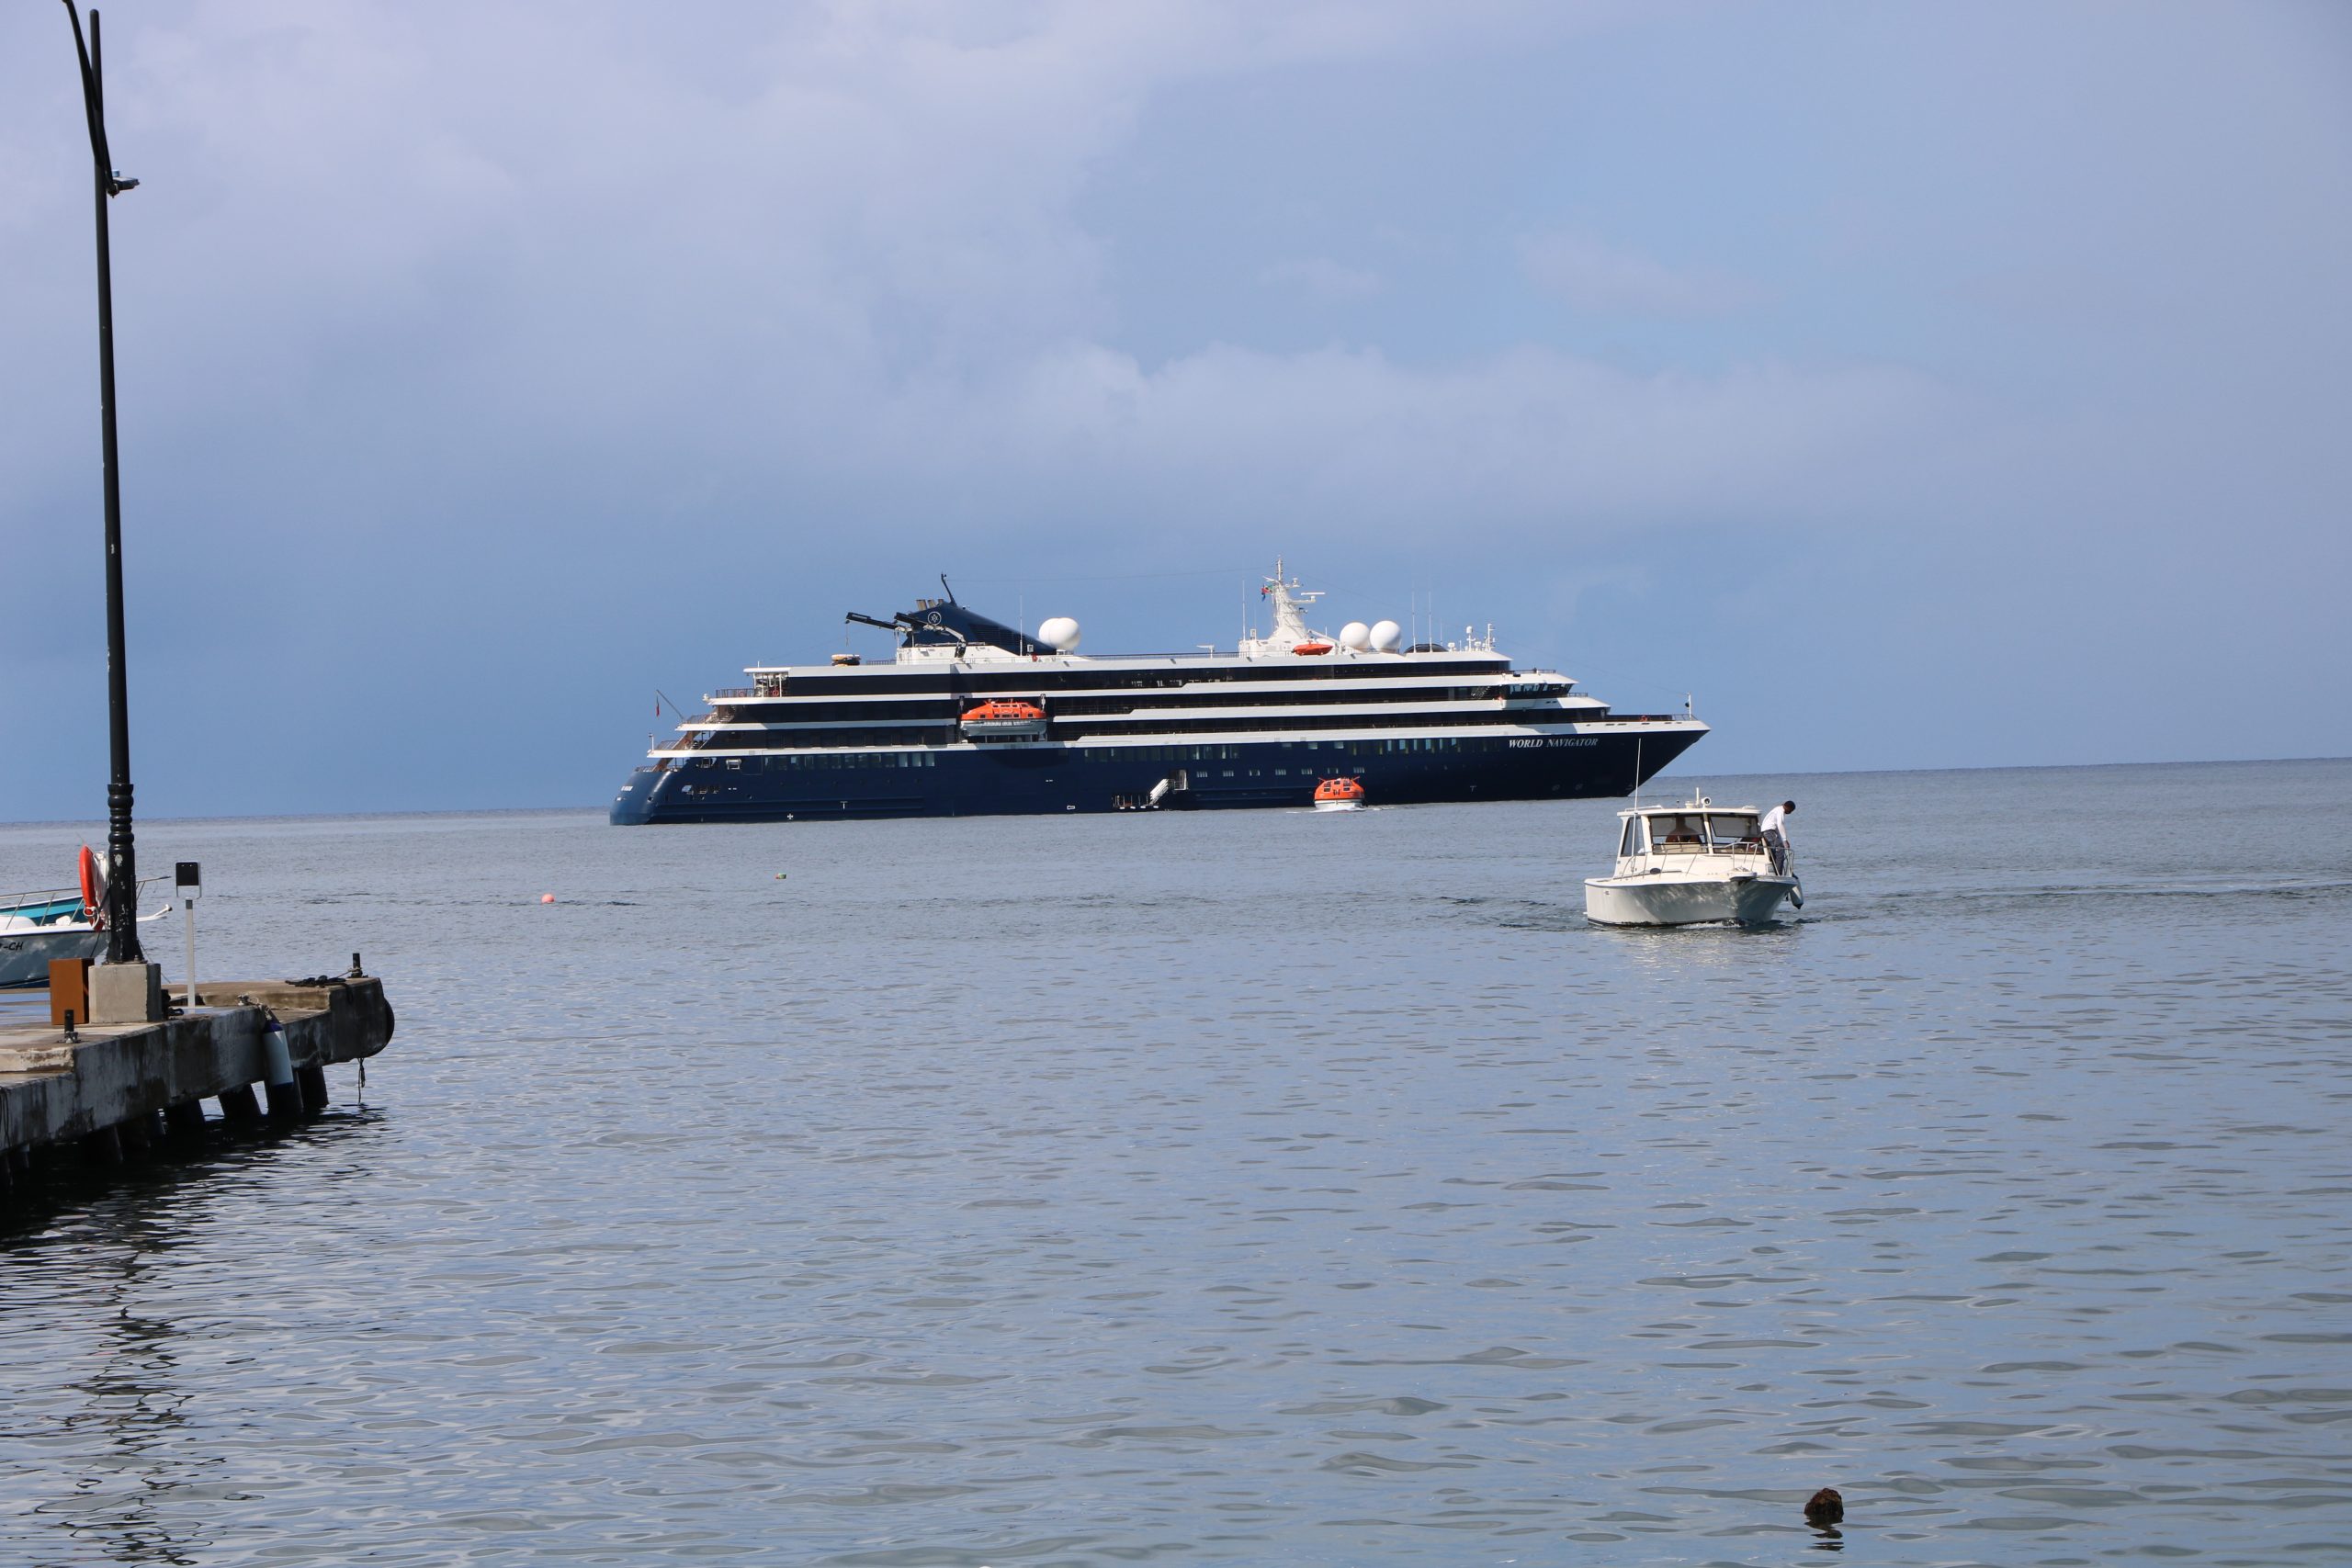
[(935, 733), (1093, 707), (838, 760), (1035, 678), (1125, 701), (1232, 754), (1121, 705), (830, 760)]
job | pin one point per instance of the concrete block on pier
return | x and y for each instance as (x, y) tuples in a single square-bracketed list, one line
[(126, 993)]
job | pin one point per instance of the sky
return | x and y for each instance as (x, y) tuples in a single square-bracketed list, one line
[(1914, 387)]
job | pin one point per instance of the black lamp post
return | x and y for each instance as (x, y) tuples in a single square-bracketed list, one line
[(122, 872)]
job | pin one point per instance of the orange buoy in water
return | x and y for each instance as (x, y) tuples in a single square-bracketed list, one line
[(546, 897)]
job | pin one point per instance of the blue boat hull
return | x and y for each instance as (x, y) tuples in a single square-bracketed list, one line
[(1018, 780)]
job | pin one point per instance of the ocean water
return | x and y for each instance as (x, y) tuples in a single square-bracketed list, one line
[(1254, 1188)]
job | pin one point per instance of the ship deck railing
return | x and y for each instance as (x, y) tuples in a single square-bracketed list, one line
[(1191, 656)]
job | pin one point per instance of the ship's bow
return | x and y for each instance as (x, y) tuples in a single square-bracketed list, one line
[(634, 805)]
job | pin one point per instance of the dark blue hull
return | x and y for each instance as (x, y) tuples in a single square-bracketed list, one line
[(1018, 780)]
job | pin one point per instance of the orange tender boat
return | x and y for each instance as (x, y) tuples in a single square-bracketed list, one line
[(1339, 794)]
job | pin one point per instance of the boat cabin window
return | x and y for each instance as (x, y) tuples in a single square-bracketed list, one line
[(1679, 832), (1632, 842), (1730, 832)]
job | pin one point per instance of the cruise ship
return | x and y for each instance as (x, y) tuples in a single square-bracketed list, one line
[(973, 718)]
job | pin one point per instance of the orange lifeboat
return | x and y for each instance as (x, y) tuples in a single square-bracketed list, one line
[(1003, 719), (1305, 649), (993, 709), (1339, 794)]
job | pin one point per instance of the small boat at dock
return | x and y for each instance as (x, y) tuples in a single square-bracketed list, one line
[(38, 927), (1697, 864), (56, 922)]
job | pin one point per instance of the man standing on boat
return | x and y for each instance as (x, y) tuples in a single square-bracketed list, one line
[(1776, 836)]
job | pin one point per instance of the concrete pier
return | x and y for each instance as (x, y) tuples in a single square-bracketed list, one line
[(124, 1084)]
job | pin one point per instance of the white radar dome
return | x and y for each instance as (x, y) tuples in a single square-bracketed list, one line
[(1355, 635), (1386, 636), (1061, 633)]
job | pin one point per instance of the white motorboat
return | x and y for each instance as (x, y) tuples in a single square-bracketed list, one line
[(1692, 865)]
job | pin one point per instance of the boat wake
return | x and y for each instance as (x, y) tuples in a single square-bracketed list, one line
[(2122, 890)]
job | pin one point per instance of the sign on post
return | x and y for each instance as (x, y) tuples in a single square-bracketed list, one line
[(188, 885)]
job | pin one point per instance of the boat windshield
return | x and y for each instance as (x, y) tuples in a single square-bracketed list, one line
[(1678, 833), (1698, 833), (1730, 832)]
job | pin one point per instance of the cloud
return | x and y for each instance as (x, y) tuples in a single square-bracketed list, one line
[(380, 293), (586, 345), (1594, 277), (850, 237), (1495, 450), (1324, 278)]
